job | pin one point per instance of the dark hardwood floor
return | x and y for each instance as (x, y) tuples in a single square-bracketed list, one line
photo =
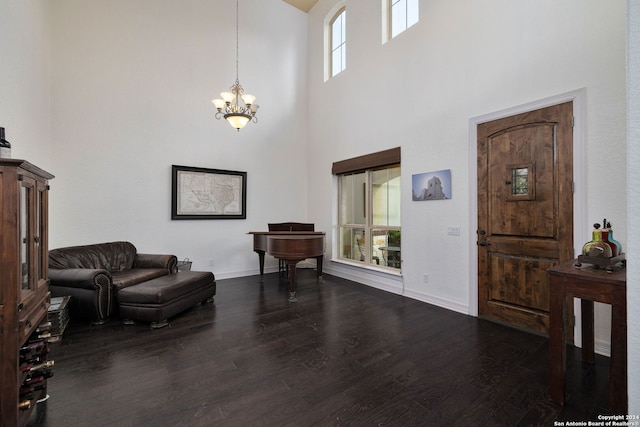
[(344, 354)]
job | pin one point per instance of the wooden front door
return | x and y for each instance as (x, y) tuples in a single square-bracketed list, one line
[(525, 212)]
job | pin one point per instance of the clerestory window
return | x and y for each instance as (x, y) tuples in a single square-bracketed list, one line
[(338, 42), (369, 199), (400, 15)]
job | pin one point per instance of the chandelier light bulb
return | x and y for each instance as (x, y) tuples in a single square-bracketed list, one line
[(219, 103), (227, 97), (238, 121), (248, 99)]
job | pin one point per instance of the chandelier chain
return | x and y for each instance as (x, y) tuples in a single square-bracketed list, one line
[(237, 37)]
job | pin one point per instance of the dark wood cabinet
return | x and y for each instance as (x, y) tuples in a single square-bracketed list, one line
[(24, 293)]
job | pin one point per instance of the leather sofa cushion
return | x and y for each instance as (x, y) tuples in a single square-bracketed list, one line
[(135, 276), (113, 256)]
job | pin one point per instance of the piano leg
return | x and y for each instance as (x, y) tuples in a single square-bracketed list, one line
[(291, 267), (261, 260), (319, 267)]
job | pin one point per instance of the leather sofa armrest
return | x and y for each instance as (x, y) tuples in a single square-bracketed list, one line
[(90, 290), (170, 262), (82, 278)]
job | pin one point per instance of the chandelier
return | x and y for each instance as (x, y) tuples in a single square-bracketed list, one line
[(236, 107)]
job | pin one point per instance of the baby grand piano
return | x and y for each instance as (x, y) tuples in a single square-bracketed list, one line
[(290, 243)]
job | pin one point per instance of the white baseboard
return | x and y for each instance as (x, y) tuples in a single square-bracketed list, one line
[(391, 283), (437, 301), (244, 273)]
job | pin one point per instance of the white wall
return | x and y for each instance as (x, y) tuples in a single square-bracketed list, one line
[(633, 195), (132, 87), (462, 60), (25, 79)]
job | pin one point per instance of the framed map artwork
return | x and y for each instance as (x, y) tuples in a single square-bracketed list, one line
[(199, 193)]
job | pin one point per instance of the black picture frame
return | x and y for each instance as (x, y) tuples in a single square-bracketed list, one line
[(202, 193)]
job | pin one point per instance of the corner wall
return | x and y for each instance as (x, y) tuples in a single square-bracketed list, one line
[(25, 79), (633, 195)]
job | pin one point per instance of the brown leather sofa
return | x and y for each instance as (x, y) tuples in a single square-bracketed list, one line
[(93, 275)]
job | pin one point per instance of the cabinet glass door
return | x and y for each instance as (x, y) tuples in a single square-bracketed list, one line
[(40, 240), (25, 232)]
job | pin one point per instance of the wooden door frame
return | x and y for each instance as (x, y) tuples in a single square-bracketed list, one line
[(578, 97)]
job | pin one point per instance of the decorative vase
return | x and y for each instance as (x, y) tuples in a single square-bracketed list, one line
[(596, 248)]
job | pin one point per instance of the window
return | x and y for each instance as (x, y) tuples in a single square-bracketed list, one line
[(338, 42), (401, 15), (369, 209)]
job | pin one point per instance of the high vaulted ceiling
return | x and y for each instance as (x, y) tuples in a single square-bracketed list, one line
[(303, 5)]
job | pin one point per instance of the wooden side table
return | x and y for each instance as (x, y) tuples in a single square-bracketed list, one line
[(589, 284)]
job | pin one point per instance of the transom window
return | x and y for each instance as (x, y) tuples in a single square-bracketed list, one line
[(369, 229), (338, 42)]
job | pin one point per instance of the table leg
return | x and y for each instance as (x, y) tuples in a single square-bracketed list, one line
[(557, 345), (588, 352), (618, 399)]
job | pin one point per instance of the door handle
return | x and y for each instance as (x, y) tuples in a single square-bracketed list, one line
[(483, 243)]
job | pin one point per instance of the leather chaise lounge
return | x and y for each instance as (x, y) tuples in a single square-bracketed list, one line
[(152, 288)]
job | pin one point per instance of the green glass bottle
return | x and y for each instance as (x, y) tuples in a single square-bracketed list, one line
[(596, 248)]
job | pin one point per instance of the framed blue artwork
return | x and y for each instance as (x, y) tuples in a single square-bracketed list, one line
[(431, 185)]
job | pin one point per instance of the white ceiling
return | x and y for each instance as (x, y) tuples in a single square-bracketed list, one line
[(303, 5)]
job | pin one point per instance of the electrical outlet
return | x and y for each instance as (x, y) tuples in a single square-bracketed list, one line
[(211, 262), (426, 278), (453, 231)]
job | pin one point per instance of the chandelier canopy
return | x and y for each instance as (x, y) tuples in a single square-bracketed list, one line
[(237, 107)]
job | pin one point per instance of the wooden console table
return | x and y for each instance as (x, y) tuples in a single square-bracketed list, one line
[(589, 284)]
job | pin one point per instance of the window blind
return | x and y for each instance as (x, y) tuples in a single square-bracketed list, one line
[(368, 161)]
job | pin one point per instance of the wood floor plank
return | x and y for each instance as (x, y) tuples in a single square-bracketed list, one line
[(344, 354)]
